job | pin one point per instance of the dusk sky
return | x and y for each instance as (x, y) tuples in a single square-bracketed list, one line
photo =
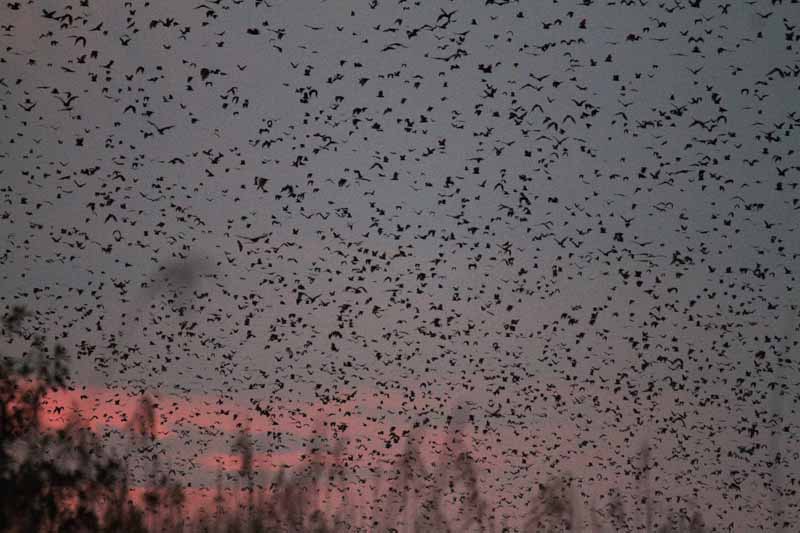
[(576, 220)]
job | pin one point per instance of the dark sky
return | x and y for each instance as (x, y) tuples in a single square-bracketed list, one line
[(579, 218)]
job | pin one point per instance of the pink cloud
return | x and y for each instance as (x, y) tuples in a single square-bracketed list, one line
[(114, 408)]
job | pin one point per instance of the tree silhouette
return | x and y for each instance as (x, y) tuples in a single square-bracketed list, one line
[(51, 480)]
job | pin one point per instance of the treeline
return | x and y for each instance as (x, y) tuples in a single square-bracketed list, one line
[(65, 480)]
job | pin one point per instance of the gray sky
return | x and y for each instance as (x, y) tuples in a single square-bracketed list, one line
[(581, 214)]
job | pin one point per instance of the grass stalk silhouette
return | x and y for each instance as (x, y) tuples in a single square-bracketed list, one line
[(67, 481)]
